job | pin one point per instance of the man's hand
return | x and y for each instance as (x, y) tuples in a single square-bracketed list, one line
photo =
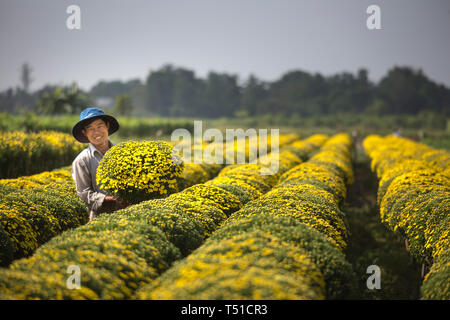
[(121, 203)]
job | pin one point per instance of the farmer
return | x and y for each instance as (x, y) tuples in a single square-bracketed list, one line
[(94, 128)]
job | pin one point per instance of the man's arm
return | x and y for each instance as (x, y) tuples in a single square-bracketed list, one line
[(83, 183)]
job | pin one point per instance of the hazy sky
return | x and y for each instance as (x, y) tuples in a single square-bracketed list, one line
[(125, 39)]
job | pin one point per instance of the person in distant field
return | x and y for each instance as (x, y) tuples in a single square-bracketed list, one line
[(355, 144), (421, 135), (397, 133), (94, 128)]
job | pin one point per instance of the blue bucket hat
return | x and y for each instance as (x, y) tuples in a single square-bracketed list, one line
[(87, 116)]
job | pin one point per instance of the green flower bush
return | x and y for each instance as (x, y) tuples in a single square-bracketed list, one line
[(436, 285), (6, 248), (252, 265), (337, 271), (34, 209), (322, 218), (116, 255), (242, 193), (6, 189), (225, 182), (193, 174), (185, 231), (222, 199), (311, 173), (204, 210)]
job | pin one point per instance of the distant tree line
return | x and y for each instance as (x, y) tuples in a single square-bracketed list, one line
[(177, 92)]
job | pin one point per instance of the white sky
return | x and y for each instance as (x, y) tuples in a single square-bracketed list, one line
[(125, 39)]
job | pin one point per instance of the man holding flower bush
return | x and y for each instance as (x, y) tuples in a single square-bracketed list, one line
[(94, 128)]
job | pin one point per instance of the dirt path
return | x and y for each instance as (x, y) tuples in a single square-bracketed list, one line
[(372, 243)]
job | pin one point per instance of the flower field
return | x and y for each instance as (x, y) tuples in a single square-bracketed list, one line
[(414, 199), (23, 154), (34, 209), (286, 244), (222, 230), (209, 204)]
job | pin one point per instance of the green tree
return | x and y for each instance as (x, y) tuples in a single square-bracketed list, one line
[(406, 90), (222, 95), (159, 89), (378, 107), (186, 94), (62, 100), (25, 77), (253, 94), (296, 92), (114, 88), (123, 105)]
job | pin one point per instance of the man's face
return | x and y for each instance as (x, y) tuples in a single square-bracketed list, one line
[(97, 132)]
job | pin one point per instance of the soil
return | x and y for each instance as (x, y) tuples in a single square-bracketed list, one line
[(372, 243)]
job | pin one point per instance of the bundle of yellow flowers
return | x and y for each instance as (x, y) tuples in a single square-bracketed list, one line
[(136, 171)]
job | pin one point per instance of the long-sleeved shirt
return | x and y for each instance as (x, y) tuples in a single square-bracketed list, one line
[(84, 172)]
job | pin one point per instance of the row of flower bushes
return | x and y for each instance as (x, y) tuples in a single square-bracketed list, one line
[(119, 252), (240, 149), (32, 212), (34, 209), (286, 244), (414, 199), (23, 154)]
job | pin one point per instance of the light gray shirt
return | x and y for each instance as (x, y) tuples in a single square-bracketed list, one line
[(84, 172)]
